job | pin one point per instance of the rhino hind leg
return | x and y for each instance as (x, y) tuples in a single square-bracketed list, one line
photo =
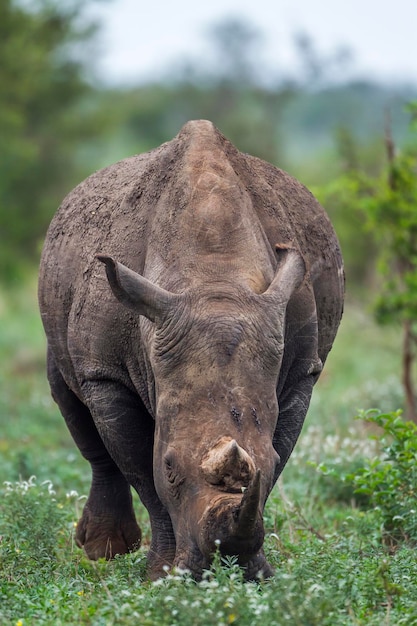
[(108, 525)]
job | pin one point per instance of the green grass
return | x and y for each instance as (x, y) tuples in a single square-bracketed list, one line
[(332, 568)]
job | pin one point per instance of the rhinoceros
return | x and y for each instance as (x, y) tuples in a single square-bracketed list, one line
[(185, 365)]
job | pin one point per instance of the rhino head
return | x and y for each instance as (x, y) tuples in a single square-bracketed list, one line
[(214, 357)]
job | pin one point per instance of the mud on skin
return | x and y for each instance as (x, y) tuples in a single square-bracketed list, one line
[(190, 296)]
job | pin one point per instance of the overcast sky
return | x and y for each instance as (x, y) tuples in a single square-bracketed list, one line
[(140, 39)]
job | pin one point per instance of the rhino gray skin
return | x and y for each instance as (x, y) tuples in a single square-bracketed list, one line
[(187, 371)]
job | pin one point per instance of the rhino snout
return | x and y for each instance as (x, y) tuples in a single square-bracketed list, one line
[(234, 523)]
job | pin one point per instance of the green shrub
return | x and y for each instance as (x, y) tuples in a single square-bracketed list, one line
[(388, 480), (30, 517)]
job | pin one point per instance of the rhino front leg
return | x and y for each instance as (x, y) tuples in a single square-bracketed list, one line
[(127, 431), (293, 408), (108, 524)]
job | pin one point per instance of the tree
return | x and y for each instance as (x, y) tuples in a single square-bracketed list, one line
[(318, 69), (228, 88), (236, 51), (43, 87), (391, 210), (388, 209)]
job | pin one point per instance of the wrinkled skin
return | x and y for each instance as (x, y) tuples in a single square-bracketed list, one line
[(184, 365)]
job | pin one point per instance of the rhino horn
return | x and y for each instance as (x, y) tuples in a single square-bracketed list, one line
[(136, 292), (246, 517), (289, 275), (228, 466)]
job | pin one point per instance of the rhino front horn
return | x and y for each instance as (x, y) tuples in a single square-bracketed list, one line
[(248, 512), (228, 466)]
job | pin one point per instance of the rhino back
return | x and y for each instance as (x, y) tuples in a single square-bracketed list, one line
[(286, 207), (106, 212), (139, 211)]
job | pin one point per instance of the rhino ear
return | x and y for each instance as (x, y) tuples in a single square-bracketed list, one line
[(136, 292), (290, 273)]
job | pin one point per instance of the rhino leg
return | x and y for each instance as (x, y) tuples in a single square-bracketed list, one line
[(108, 525), (293, 405), (258, 568), (127, 431), (105, 529)]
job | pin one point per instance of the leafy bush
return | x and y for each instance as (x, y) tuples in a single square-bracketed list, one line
[(389, 479)]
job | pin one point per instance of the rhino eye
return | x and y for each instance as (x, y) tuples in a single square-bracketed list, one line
[(174, 478), (169, 467)]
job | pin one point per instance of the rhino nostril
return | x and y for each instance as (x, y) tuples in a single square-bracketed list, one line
[(228, 483)]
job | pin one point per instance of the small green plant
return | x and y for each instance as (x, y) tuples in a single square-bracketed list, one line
[(31, 517), (389, 479)]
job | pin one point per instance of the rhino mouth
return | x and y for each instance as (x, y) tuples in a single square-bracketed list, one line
[(233, 525), (254, 568)]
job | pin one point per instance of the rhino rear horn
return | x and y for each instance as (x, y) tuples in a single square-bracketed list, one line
[(136, 292)]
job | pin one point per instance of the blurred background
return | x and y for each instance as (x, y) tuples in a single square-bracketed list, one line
[(301, 85), (319, 89)]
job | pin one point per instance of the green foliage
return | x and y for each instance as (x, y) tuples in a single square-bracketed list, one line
[(386, 206), (340, 199), (390, 209), (388, 480), (42, 119), (334, 580), (371, 201), (42, 580), (31, 520)]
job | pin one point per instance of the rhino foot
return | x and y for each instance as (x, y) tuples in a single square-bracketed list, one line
[(104, 536), (258, 568), (162, 550), (158, 565)]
